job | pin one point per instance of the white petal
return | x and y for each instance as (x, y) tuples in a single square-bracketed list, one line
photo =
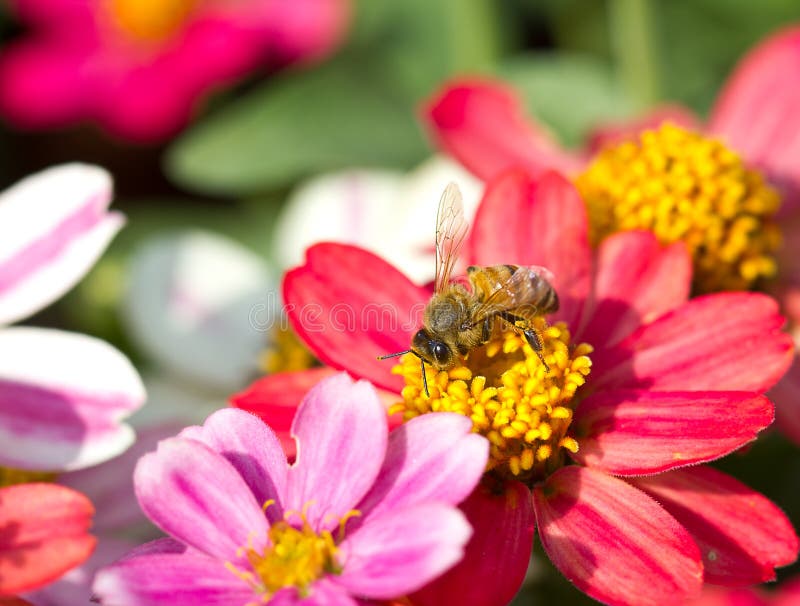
[(54, 225), (200, 305), (338, 207), (63, 399), (388, 213)]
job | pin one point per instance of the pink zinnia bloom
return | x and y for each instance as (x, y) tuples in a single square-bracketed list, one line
[(362, 514), (63, 396), (634, 520), (481, 123), (45, 533), (139, 67)]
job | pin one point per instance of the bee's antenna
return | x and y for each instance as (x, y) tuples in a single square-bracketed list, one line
[(421, 363), (399, 353)]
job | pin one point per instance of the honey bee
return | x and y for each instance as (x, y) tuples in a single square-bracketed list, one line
[(458, 319)]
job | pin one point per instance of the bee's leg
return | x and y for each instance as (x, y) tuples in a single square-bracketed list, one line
[(487, 330), (531, 335)]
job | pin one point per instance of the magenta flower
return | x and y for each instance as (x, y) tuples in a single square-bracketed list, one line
[(139, 67), (362, 514)]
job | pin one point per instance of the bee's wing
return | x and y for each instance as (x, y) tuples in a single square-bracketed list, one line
[(451, 229), (518, 293)]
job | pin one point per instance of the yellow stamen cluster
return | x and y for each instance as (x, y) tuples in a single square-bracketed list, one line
[(285, 353), (685, 187), (522, 408), (11, 477), (150, 20), (295, 556)]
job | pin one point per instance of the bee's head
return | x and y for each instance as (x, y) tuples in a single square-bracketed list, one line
[(433, 351)]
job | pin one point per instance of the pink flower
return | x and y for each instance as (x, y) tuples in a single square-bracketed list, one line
[(63, 396), (360, 514), (672, 385), (482, 124), (139, 67), (44, 534)]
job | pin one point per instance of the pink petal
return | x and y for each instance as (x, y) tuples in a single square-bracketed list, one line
[(341, 433), (742, 535), (537, 222), (54, 225), (196, 495), (275, 399), (497, 555), (44, 534), (789, 593), (432, 458), (254, 451), (641, 432), (172, 579), (63, 399), (42, 82), (726, 341), (481, 124), (402, 549), (614, 542), (637, 280), (756, 113), (787, 404), (350, 307), (616, 132)]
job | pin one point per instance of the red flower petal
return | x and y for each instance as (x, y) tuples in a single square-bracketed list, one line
[(537, 222), (757, 110), (275, 399), (742, 535), (614, 542), (497, 555), (640, 432), (787, 404), (43, 534), (611, 133), (637, 280), (481, 123), (350, 306), (725, 341), (13, 601)]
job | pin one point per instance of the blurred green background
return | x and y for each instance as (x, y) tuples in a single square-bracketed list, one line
[(576, 62)]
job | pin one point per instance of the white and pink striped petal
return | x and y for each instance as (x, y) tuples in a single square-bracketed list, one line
[(54, 225), (63, 399)]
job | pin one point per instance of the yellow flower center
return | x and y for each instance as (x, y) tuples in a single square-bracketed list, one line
[(11, 477), (523, 409), (150, 20), (295, 557), (685, 187), (286, 353)]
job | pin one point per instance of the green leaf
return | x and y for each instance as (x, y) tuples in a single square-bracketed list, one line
[(568, 92), (331, 118)]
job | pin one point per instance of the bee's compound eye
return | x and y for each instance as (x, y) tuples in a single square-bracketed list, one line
[(441, 352)]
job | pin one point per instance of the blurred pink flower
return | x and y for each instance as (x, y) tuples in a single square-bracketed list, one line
[(139, 67)]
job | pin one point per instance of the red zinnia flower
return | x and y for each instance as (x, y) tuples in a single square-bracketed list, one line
[(43, 534), (673, 383), (732, 194)]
